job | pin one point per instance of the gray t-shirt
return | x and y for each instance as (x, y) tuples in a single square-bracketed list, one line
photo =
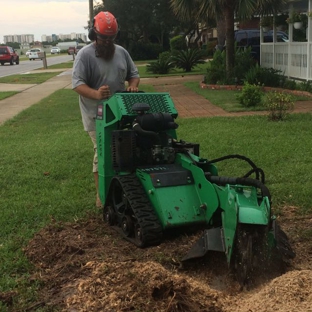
[(95, 72)]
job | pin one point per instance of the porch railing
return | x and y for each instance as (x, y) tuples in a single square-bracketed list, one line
[(294, 59)]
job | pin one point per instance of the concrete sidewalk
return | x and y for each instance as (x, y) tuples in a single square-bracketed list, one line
[(30, 94), (187, 102)]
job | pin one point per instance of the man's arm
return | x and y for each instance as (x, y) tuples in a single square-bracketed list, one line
[(102, 93), (133, 84)]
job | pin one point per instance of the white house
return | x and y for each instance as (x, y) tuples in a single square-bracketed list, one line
[(294, 59)]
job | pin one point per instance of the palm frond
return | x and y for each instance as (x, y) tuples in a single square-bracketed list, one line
[(184, 9), (266, 7)]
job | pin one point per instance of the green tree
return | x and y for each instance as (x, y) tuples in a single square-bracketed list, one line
[(141, 20), (14, 45), (244, 9)]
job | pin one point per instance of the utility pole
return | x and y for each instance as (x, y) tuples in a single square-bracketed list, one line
[(90, 13)]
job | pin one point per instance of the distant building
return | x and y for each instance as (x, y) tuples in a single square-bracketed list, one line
[(83, 37), (71, 36), (64, 36), (45, 38), (29, 38), (25, 38)]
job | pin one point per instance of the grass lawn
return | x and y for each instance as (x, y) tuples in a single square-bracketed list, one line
[(6, 94), (273, 146), (147, 88), (62, 65), (36, 78), (198, 70), (227, 99), (46, 164)]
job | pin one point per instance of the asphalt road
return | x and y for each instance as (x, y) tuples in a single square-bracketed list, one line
[(26, 66)]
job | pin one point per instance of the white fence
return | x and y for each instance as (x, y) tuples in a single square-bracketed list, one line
[(294, 59)]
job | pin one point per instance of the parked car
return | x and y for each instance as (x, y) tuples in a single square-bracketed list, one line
[(71, 50), (33, 54), (55, 50), (245, 38), (8, 55), (27, 53)]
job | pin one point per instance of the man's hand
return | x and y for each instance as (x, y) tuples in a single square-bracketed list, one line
[(132, 89), (103, 92)]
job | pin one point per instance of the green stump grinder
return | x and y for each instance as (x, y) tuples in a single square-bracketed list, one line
[(151, 182)]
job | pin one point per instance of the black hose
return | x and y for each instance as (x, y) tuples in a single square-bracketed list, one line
[(258, 171), (219, 180), (254, 169)]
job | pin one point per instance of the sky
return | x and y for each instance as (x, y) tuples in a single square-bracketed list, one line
[(43, 17)]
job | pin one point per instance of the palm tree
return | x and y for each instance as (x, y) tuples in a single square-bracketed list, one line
[(226, 9)]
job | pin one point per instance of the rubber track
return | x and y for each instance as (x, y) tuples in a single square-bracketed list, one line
[(143, 211)]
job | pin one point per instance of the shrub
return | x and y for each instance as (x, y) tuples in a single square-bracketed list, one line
[(289, 84), (162, 65), (243, 62), (211, 47), (279, 105), (187, 59), (265, 76), (178, 43), (216, 72), (305, 86), (250, 96)]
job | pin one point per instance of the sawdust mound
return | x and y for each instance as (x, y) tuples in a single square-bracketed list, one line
[(287, 293), (136, 286), (85, 266)]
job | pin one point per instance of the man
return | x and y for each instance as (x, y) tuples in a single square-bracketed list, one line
[(100, 69)]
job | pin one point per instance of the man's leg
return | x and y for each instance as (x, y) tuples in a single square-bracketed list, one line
[(98, 202), (92, 135)]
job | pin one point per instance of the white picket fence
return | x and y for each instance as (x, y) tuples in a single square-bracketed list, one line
[(294, 59)]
